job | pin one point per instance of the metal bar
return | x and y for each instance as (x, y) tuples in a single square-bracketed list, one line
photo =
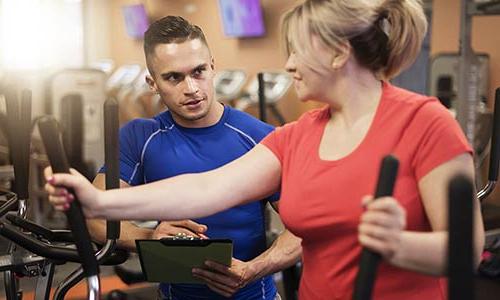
[(44, 282), (467, 78)]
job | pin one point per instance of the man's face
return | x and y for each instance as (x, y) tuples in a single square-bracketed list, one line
[(182, 73)]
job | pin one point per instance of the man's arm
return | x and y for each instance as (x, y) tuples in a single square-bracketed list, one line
[(128, 231), (285, 251)]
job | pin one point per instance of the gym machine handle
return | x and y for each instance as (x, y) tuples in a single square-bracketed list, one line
[(19, 121), (76, 220), (262, 97), (111, 157), (38, 247), (494, 151), (365, 278), (108, 254), (460, 242), (48, 234), (495, 143)]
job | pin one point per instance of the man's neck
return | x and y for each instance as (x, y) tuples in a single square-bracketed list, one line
[(213, 117)]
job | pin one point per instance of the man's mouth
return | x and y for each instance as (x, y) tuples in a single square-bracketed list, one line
[(192, 102)]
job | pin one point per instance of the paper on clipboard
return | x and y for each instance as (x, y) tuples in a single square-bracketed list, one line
[(172, 261)]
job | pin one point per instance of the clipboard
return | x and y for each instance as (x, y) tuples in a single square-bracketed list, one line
[(172, 260)]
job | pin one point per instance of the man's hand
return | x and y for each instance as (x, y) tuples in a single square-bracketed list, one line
[(225, 280), (183, 227)]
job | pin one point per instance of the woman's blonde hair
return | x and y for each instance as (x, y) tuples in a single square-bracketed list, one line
[(385, 35)]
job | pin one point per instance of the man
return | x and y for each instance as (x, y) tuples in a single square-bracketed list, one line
[(197, 134)]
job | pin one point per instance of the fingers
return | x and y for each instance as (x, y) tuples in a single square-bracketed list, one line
[(59, 197), (191, 225), (381, 225), (47, 172), (174, 231), (183, 227), (218, 283)]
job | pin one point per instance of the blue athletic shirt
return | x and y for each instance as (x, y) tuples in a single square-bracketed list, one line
[(158, 148)]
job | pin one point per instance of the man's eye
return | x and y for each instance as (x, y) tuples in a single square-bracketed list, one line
[(174, 78), (199, 71)]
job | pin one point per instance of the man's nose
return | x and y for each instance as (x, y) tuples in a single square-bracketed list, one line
[(191, 86)]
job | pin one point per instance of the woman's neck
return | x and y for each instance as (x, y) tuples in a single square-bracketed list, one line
[(356, 96)]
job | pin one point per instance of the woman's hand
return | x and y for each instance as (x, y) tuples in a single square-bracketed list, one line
[(58, 186), (381, 226)]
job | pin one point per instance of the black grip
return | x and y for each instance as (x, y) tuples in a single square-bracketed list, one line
[(38, 230), (24, 130), (111, 158), (262, 97), (72, 124), (76, 220), (38, 247), (14, 129), (369, 260), (460, 247), (495, 143)]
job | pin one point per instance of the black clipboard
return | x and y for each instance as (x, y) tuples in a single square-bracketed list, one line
[(172, 260)]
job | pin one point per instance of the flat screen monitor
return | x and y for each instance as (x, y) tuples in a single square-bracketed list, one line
[(136, 20), (242, 18)]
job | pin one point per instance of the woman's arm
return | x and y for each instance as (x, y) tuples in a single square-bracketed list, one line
[(381, 228), (251, 177)]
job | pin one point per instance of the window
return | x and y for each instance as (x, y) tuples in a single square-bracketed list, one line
[(40, 34)]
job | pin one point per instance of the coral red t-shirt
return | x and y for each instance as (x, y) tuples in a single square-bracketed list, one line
[(321, 200)]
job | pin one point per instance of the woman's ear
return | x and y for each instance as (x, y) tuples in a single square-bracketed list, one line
[(341, 57)]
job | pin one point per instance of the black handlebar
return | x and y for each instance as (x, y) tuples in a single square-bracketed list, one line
[(36, 246), (365, 278), (460, 247), (19, 132), (495, 143), (112, 155), (50, 235), (262, 97), (76, 220)]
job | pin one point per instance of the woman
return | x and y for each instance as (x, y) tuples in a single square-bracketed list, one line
[(341, 53)]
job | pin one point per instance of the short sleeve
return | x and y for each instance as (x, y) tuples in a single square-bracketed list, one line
[(439, 137), (279, 139)]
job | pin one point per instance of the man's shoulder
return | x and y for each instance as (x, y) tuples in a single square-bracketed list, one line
[(141, 127), (244, 120)]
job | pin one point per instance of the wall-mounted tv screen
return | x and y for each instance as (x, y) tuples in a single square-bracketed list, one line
[(136, 20), (242, 18)]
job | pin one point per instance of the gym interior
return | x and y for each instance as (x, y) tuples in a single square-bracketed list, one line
[(77, 60)]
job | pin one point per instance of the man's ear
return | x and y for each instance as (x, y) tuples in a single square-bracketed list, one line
[(152, 84), (341, 57)]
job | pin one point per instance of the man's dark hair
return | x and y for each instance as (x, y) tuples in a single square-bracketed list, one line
[(171, 29)]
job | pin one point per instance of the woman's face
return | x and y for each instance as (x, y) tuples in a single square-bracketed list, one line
[(312, 83)]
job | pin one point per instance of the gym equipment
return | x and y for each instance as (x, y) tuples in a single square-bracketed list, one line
[(369, 260), (122, 76), (443, 80), (228, 85), (443, 77), (460, 242), (75, 216), (276, 84), (468, 97), (90, 85), (45, 248)]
